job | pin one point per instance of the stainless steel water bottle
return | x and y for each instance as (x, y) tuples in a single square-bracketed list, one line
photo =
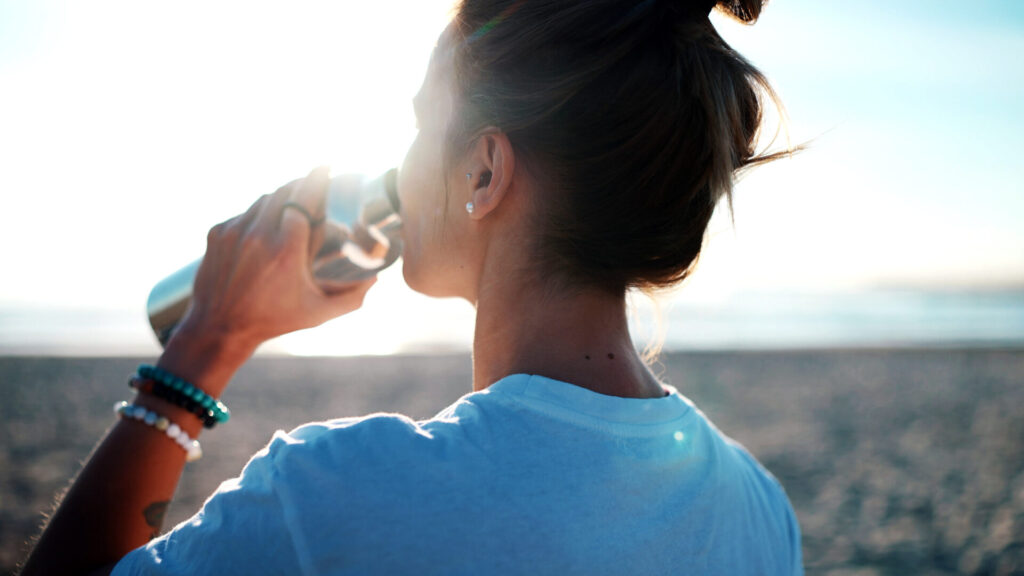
[(361, 237)]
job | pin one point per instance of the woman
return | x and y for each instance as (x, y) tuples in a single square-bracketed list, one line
[(567, 152)]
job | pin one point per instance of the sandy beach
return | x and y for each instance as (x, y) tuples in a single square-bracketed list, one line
[(897, 461)]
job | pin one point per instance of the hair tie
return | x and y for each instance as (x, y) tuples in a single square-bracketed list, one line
[(678, 9)]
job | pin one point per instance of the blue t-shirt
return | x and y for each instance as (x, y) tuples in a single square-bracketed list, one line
[(530, 476)]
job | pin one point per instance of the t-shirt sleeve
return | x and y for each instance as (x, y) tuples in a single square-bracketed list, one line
[(775, 496), (241, 529), (796, 550)]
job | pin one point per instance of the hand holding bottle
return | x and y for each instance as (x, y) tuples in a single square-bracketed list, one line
[(255, 283), (256, 280), (359, 237)]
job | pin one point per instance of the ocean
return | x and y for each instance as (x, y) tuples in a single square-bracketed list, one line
[(742, 321)]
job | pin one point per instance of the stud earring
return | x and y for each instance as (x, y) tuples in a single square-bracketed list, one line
[(469, 175), (469, 207)]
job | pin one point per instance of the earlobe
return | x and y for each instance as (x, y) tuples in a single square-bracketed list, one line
[(496, 161)]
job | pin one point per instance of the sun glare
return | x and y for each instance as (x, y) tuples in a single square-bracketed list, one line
[(138, 138), (131, 128)]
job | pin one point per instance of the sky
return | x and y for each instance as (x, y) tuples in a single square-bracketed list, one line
[(127, 129)]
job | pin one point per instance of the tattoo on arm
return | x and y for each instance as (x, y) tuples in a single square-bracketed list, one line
[(154, 514)]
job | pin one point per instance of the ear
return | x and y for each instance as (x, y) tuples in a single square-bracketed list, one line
[(492, 165)]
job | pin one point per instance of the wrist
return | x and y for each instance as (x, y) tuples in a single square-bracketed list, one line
[(204, 358)]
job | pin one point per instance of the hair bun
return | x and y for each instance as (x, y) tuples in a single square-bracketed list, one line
[(745, 11)]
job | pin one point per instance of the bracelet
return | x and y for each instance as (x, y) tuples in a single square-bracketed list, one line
[(193, 451), (188, 393), (178, 399)]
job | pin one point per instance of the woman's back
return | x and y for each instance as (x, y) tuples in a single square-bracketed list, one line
[(531, 475)]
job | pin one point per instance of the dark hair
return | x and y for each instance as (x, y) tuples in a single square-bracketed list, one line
[(637, 114)]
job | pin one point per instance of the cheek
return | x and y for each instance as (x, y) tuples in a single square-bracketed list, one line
[(432, 251), (420, 175), (417, 211), (421, 190), (423, 255), (431, 245)]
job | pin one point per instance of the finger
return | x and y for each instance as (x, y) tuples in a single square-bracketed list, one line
[(213, 243), (225, 234), (296, 228), (221, 241), (269, 218), (247, 220), (312, 191), (317, 228)]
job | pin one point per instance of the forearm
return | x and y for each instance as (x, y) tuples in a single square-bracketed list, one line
[(118, 500)]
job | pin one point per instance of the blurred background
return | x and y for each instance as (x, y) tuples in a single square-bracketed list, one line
[(892, 248)]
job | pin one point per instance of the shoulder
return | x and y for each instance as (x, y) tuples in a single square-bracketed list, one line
[(344, 441), (354, 448), (380, 428), (766, 493)]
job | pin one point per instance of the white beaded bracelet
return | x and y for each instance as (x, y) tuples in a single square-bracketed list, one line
[(191, 447)]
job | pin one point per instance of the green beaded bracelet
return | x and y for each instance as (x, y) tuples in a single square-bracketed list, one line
[(158, 389), (220, 411)]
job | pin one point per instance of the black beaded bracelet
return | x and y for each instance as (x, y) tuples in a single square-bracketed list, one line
[(164, 392), (163, 384), (220, 411)]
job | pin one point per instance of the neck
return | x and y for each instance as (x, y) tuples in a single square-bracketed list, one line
[(581, 338)]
